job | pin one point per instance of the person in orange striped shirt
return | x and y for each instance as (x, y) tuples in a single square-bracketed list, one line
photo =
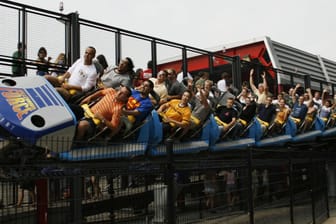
[(106, 112)]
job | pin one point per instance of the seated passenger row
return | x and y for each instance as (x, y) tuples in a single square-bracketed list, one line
[(233, 115)]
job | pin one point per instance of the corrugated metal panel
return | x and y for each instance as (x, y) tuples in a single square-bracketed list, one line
[(330, 66), (295, 60)]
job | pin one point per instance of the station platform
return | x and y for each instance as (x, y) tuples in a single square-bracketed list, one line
[(331, 220)]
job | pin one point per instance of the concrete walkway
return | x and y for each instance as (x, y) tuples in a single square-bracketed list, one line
[(331, 220)]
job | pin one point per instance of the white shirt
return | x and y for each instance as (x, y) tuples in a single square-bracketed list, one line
[(82, 75), (221, 85), (318, 101), (180, 76)]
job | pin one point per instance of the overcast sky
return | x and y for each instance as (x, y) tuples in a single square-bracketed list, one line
[(309, 25)]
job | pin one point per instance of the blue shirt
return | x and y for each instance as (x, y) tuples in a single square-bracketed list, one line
[(299, 111), (143, 105)]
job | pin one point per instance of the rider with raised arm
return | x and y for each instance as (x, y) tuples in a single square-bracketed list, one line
[(262, 90)]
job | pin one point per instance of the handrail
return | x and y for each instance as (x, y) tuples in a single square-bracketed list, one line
[(150, 38), (20, 5), (154, 40)]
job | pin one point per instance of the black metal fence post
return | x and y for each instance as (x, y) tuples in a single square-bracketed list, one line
[(211, 67), (236, 72), (24, 34), (117, 47), (250, 191), (111, 194), (184, 62), (75, 37), (312, 186), (171, 213), (154, 58), (76, 202), (307, 81), (326, 187), (291, 188)]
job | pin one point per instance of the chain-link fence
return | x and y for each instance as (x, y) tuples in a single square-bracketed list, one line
[(245, 186)]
